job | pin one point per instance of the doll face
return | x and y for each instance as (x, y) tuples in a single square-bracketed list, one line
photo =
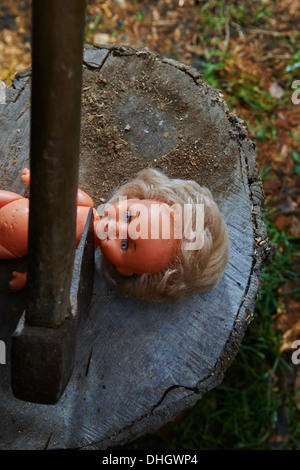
[(137, 236)]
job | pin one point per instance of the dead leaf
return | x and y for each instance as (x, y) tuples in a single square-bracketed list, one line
[(283, 153), (288, 206), (177, 35), (289, 337), (106, 10), (287, 313), (294, 7), (282, 221), (275, 90), (102, 38), (277, 438), (294, 227)]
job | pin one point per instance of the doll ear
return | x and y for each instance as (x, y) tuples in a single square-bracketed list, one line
[(124, 271)]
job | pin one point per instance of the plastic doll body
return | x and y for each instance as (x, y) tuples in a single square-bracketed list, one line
[(14, 218), (13, 226)]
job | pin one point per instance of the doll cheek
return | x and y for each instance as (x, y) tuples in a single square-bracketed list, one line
[(111, 250)]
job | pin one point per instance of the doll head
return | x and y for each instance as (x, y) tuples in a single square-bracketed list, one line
[(170, 265), (133, 237)]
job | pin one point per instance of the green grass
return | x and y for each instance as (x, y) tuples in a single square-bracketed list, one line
[(218, 21), (216, 16), (244, 411), (296, 159), (281, 270)]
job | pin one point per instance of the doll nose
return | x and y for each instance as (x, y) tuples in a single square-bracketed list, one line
[(115, 228)]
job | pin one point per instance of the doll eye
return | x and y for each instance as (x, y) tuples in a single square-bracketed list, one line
[(127, 216), (124, 245)]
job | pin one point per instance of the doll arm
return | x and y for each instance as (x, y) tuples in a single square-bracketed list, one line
[(83, 199), (18, 281), (7, 196)]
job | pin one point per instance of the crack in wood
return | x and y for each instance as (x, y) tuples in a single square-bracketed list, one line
[(47, 442), (88, 363)]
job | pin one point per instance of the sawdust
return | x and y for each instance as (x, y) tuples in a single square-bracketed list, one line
[(135, 114)]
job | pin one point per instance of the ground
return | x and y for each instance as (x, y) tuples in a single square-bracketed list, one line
[(248, 50)]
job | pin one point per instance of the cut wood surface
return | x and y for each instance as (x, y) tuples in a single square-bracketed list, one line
[(139, 364)]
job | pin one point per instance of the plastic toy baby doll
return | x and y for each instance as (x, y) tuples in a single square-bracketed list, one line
[(139, 256), (14, 216), (157, 269)]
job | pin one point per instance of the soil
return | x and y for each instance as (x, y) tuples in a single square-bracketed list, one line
[(123, 138)]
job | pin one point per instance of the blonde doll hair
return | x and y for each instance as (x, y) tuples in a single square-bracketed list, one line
[(190, 271)]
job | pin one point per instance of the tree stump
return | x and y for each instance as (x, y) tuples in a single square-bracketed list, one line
[(139, 364)]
